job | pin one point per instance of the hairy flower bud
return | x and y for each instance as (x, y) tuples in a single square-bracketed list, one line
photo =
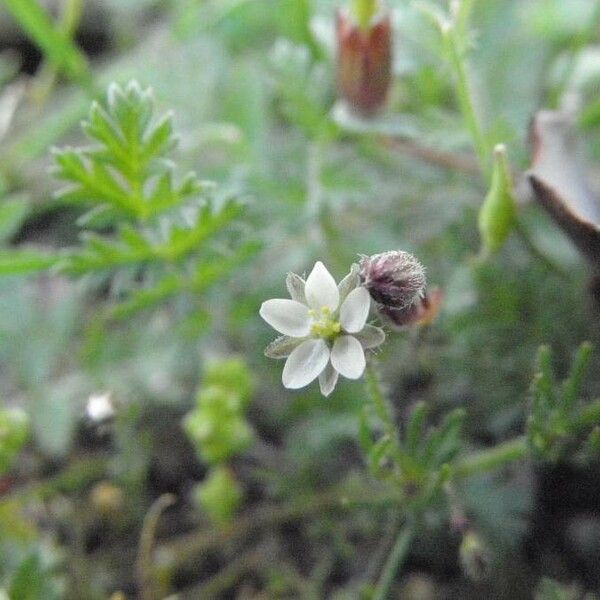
[(364, 61), (395, 279)]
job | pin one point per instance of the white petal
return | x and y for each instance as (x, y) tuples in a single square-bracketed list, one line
[(282, 347), (370, 336), (355, 310), (348, 357), (327, 380), (321, 289), (286, 316), (295, 285), (305, 363), (350, 282)]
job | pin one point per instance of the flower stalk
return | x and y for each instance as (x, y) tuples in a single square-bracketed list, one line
[(395, 560), (465, 96)]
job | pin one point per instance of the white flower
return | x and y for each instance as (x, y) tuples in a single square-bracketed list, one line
[(324, 329), (99, 408)]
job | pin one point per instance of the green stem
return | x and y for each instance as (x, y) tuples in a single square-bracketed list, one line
[(48, 74), (465, 99), (380, 404), (394, 562), (589, 417), (145, 563), (384, 413), (492, 458)]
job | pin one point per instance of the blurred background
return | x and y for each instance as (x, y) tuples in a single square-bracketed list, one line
[(147, 447)]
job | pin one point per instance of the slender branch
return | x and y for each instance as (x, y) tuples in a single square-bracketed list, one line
[(228, 576), (492, 458), (144, 565), (186, 548), (464, 97), (380, 403), (394, 562), (76, 476), (465, 163), (589, 417)]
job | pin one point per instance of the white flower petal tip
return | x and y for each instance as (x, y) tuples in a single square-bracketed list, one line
[(321, 289), (355, 310), (295, 286), (305, 364), (370, 336), (348, 357), (286, 316), (327, 380), (350, 282)]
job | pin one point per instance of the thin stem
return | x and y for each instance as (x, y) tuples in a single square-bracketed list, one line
[(394, 562), (466, 163), (465, 99), (589, 417), (225, 579), (144, 565), (183, 550), (492, 458), (380, 403), (384, 412), (48, 74)]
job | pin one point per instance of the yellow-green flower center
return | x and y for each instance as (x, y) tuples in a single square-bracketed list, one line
[(324, 325)]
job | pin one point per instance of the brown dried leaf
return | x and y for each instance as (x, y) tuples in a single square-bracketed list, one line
[(584, 234)]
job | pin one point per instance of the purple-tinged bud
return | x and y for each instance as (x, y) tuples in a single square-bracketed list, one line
[(474, 556), (395, 279), (420, 313), (364, 61)]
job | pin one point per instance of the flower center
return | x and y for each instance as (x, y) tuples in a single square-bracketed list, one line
[(324, 325)]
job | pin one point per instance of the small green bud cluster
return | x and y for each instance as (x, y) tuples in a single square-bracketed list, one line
[(219, 495), (217, 426), (14, 431), (218, 429)]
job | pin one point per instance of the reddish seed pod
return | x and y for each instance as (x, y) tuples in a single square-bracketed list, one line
[(364, 61)]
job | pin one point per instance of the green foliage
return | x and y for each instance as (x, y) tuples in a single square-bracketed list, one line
[(219, 495), (161, 227), (14, 432), (33, 580), (420, 460), (232, 375), (13, 212), (549, 589), (28, 581), (253, 85), (306, 92), (217, 426), (54, 43), (560, 426)]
